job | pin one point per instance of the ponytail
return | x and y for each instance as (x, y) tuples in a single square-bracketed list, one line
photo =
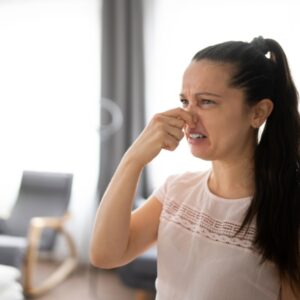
[(276, 202)]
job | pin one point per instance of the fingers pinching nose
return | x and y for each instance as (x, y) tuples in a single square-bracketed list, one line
[(194, 121), (189, 123)]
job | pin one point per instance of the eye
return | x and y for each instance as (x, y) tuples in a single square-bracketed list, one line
[(184, 102), (207, 102)]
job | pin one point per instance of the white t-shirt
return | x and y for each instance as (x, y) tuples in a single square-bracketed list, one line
[(198, 257)]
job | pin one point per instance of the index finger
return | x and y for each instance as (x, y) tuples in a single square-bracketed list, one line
[(180, 113)]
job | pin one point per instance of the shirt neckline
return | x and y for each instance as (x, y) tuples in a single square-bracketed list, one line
[(218, 198)]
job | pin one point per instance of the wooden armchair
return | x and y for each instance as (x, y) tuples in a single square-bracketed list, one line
[(38, 216)]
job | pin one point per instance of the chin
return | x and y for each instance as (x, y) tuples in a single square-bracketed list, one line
[(201, 155)]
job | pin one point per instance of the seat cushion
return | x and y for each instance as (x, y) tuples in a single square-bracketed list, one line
[(10, 288), (8, 275), (13, 292), (12, 250)]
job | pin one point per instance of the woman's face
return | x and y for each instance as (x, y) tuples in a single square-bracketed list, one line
[(223, 130)]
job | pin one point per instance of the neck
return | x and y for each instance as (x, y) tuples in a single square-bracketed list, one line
[(232, 180)]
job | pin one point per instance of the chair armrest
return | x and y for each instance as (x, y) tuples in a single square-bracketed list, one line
[(37, 225), (48, 222)]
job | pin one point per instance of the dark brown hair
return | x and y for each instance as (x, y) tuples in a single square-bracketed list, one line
[(275, 206)]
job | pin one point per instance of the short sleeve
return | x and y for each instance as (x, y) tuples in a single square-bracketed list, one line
[(161, 193)]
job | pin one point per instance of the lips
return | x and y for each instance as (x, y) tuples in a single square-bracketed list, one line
[(196, 134)]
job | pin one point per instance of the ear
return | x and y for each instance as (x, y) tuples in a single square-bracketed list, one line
[(260, 112)]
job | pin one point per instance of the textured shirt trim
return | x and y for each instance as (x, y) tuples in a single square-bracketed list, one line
[(202, 224)]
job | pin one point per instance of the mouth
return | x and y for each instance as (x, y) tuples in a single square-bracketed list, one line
[(197, 136)]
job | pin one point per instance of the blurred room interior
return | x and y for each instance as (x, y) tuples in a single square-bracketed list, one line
[(79, 79)]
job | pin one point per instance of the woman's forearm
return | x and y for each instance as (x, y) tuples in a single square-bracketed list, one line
[(111, 229), (111, 235)]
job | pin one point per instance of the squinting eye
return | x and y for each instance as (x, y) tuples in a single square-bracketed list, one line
[(207, 102), (184, 102)]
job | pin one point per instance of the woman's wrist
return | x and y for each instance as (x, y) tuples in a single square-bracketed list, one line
[(130, 160)]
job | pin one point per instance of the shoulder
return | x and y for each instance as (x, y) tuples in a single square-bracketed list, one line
[(187, 178), (180, 184)]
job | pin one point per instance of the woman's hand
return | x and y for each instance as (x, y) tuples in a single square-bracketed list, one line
[(164, 131)]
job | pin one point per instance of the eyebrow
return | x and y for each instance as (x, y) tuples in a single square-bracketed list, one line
[(203, 94)]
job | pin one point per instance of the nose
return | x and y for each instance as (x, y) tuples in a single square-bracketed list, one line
[(192, 109)]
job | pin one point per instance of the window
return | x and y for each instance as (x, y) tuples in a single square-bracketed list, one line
[(49, 97), (177, 29)]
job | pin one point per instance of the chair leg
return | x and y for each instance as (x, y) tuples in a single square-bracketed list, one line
[(143, 295), (66, 267)]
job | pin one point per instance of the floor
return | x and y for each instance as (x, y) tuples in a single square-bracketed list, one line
[(87, 283)]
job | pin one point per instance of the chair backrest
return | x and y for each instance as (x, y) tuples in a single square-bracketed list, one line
[(41, 194)]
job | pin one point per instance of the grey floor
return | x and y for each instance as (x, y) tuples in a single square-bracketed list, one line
[(86, 284)]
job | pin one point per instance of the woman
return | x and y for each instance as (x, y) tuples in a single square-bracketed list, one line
[(231, 232)]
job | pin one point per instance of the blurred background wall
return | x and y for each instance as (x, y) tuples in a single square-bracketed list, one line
[(50, 83), (49, 99)]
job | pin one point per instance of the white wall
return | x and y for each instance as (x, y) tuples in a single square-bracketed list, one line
[(49, 99)]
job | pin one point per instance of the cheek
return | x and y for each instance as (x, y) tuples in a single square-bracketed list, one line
[(227, 127), (217, 124)]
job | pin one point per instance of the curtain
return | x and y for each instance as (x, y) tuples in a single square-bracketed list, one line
[(122, 84)]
